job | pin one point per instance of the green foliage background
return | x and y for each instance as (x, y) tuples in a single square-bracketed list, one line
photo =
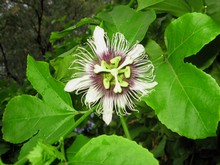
[(176, 124)]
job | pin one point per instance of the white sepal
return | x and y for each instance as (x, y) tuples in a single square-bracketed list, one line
[(107, 110), (136, 51), (140, 86), (99, 41), (93, 95), (78, 84)]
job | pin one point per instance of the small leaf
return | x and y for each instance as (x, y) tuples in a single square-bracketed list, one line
[(107, 150), (79, 142), (4, 147), (159, 150), (144, 4), (58, 35), (129, 22), (186, 99), (44, 154), (196, 5), (215, 72), (61, 65), (174, 7), (212, 7)]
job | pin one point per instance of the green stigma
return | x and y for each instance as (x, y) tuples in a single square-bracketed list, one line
[(113, 74)]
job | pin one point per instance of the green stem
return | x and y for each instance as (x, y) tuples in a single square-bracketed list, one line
[(125, 127), (22, 161), (82, 118), (62, 148), (131, 2)]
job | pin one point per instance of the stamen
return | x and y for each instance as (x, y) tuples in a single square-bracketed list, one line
[(106, 83), (124, 84), (107, 80), (105, 65), (115, 61), (126, 71), (113, 71)]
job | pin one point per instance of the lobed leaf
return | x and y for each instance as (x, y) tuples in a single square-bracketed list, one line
[(186, 99), (28, 117), (51, 90)]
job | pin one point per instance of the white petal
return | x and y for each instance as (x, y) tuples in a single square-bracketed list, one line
[(143, 86), (136, 51), (93, 95), (107, 110), (78, 84), (99, 40)]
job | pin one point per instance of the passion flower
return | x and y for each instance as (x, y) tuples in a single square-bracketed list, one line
[(112, 75)]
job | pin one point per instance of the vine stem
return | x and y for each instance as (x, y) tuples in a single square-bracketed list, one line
[(131, 2), (62, 149), (125, 127), (82, 118)]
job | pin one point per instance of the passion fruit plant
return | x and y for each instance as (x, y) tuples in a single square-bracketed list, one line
[(148, 71)]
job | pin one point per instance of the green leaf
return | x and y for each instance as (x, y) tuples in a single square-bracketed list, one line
[(154, 51), (196, 5), (186, 99), (79, 142), (27, 116), (45, 154), (192, 36), (105, 150), (158, 151), (8, 89), (206, 56), (144, 4), (61, 65), (174, 7), (212, 7), (58, 35), (129, 22), (52, 91), (2, 162), (215, 72), (4, 147)]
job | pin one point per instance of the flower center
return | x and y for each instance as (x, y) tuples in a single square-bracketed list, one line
[(114, 74)]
